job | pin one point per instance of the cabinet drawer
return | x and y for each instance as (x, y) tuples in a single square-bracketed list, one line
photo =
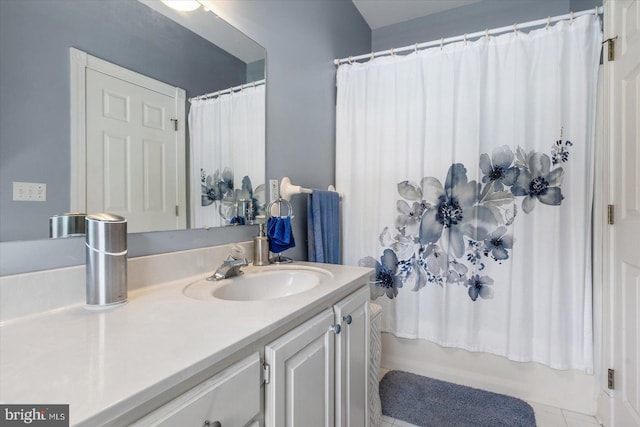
[(231, 398)]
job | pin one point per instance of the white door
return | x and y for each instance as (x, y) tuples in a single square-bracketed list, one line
[(131, 153), (300, 391), (352, 360), (623, 134)]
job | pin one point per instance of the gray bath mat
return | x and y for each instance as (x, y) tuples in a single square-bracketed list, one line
[(427, 402)]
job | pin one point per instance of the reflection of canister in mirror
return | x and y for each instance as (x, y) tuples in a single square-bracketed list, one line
[(242, 208), (106, 249), (67, 225)]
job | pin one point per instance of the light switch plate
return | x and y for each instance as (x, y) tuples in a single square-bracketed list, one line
[(30, 191), (274, 189)]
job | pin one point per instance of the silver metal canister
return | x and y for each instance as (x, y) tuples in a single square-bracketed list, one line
[(106, 249)]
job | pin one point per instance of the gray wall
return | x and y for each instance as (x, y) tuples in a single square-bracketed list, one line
[(255, 70), (35, 36), (472, 18), (302, 38)]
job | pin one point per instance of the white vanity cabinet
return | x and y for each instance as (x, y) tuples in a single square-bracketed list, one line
[(318, 371), (229, 399)]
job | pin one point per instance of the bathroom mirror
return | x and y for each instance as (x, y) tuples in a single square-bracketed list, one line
[(196, 51)]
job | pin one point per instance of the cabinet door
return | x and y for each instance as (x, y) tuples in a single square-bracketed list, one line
[(215, 400), (352, 360), (300, 391)]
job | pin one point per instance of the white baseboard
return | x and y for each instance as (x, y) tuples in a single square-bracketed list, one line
[(533, 382)]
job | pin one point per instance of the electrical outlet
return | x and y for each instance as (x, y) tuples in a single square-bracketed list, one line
[(274, 190), (30, 191)]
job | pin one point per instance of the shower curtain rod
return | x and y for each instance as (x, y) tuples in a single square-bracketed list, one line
[(515, 27), (224, 91)]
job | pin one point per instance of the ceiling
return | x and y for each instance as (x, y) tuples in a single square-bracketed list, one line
[(380, 13), (207, 25)]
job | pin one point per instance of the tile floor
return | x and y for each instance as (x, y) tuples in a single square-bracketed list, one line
[(546, 416)]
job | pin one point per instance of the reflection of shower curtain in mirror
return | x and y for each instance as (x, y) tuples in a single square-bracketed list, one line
[(468, 174), (226, 141)]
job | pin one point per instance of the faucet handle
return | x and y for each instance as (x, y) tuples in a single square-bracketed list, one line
[(240, 262)]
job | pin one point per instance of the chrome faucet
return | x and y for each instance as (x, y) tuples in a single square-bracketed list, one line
[(229, 268)]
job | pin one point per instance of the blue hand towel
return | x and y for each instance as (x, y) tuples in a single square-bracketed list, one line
[(323, 226), (280, 234)]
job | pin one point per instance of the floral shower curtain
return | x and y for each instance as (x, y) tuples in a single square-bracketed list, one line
[(468, 174), (227, 153)]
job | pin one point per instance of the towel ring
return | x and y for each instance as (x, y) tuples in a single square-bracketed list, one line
[(279, 259), (280, 201)]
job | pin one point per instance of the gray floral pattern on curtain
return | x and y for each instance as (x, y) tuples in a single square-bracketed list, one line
[(453, 230)]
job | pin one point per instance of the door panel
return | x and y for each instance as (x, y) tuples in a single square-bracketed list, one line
[(154, 179), (352, 360), (300, 390), (114, 177)]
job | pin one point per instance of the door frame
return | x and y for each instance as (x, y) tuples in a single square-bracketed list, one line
[(79, 63), (602, 237)]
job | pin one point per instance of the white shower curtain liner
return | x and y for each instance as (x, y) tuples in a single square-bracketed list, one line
[(226, 141), (468, 175)]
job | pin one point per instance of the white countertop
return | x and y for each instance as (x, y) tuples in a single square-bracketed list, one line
[(103, 363)]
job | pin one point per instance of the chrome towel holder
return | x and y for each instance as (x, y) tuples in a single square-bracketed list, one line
[(280, 259)]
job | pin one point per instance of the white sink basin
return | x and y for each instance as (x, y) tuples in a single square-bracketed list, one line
[(259, 285)]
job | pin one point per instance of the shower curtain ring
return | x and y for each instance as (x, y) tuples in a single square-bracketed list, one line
[(441, 43), (465, 39), (351, 60), (571, 18), (373, 55), (596, 12), (486, 33), (515, 28), (548, 23), (415, 48), (393, 52)]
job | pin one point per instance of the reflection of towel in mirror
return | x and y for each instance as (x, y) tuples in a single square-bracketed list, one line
[(323, 226), (280, 234)]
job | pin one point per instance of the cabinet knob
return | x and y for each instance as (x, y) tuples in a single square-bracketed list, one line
[(347, 319), (335, 328), (208, 423)]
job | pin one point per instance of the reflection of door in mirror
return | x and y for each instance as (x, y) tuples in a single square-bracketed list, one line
[(135, 165)]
